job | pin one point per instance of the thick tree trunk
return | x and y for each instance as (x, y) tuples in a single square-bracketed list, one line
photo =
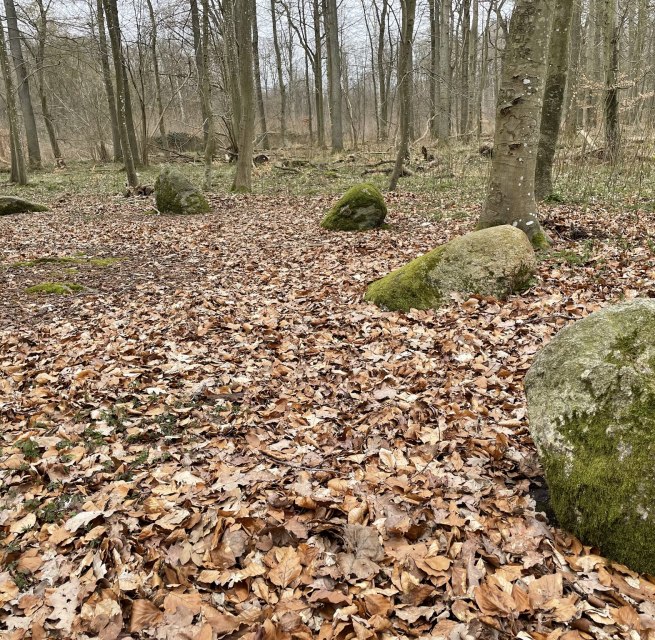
[(551, 113), (18, 173), (263, 139), (111, 11), (510, 196), (109, 88), (280, 75), (244, 19), (22, 78), (334, 74), (232, 70), (404, 78)]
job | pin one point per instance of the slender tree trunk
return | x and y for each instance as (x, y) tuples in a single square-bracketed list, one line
[(18, 173), (22, 78), (318, 75), (473, 64), (244, 20), (111, 11), (510, 196), (263, 140), (280, 75), (232, 70), (408, 8), (206, 95), (551, 113), (109, 88), (42, 33), (155, 69), (129, 113), (434, 84), (571, 120), (334, 73), (464, 62), (382, 70), (443, 118), (611, 103)]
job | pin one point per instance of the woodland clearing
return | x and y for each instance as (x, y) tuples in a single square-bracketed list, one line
[(217, 437)]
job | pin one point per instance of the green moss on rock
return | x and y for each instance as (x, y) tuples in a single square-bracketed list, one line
[(361, 207), (495, 262), (56, 288), (10, 205), (174, 193), (591, 405)]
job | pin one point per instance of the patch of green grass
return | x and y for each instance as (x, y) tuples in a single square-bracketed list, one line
[(92, 438), (58, 508), (67, 260), (56, 288), (30, 449)]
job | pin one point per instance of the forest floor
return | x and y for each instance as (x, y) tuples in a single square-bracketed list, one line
[(216, 437)]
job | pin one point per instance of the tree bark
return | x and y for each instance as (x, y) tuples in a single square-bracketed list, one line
[(318, 76), (155, 69), (42, 32), (551, 113), (464, 62), (408, 8), (18, 174), (443, 117), (109, 88), (611, 103), (22, 78), (334, 73), (510, 195), (263, 139), (244, 19), (571, 100), (111, 11), (280, 75)]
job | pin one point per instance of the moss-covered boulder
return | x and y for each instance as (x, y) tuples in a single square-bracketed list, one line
[(174, 193), (10, 205), (492, 262), (591, 406), (361, 207)]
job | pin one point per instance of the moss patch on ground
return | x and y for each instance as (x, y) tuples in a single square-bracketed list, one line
[(67, 260), (56, 288)]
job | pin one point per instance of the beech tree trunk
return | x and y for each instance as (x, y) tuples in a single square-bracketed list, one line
[(42, 32), (22, 78), (111, 11), (155, 68), (510, 195), (109, 88), (280, 75), (334, 73), (611, 103), (18, 174), (551, 113), (263, 140), (408, 8), (244, 20)]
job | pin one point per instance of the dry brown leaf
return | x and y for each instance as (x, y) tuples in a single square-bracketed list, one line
[(145, 615)]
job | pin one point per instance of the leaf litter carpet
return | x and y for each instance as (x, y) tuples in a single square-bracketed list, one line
[(218, 438)]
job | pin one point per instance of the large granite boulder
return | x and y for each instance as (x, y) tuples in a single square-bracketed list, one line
[(591, 406), (493, 262), (361, 207), (174, 193), (10, 205)]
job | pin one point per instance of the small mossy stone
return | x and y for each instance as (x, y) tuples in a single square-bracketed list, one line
[(361, 207), (10, 205), (591, 408), (174, 193), (495, 262)]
